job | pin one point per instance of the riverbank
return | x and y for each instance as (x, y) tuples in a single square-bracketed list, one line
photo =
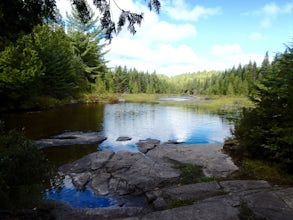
[(211, 103)]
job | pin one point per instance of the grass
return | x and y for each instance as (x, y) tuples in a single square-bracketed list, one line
[(255, 168), (193, 174), (262, 170), (141, 98), (221, 103), (189, 173), (99, 98), (175, 203), (206, 103)]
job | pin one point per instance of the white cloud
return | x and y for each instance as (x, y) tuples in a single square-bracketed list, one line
[(155, 47), (163, 58), (274, 9), (225, 56), (271, 11), (255, 36), (179, 10), (166, 32)]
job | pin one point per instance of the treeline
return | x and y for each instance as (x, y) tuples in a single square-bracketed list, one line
[(123, 80), (235, 81)]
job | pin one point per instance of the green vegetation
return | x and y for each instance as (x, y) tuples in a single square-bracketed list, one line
[(142, 97), (23, 170), (266, 131), (190, 173), (51, 64), (263, 170), (175, 203), (193, 174)]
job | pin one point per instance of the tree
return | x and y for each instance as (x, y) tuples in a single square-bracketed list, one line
[(61, 77), (20, 72), (266, 131), (86, 39), (19, 17)]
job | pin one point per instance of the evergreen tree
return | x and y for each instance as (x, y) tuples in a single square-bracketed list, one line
[(20, 72), (266, 132), (86, 38), (61, 78)]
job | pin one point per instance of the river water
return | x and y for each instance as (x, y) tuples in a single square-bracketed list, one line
[(135, 120)]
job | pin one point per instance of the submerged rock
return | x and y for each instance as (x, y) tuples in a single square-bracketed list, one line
[(71, 138)]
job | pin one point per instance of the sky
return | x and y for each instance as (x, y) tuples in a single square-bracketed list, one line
[(189, 36)]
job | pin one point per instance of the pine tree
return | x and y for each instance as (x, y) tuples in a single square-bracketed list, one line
[(86, 38)]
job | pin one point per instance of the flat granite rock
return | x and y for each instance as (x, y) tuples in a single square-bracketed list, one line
[(154, 176), (71, 138), (209, 156)]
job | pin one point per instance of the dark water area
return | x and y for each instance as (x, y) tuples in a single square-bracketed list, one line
[(43, 124), (135, 120)]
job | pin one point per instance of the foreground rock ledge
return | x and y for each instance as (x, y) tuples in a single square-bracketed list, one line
[(127, 173), (153, 176)]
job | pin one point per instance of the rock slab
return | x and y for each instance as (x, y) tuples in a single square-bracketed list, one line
[(71, 138)]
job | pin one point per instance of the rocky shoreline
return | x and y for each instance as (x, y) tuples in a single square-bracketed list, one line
[(152, 174)]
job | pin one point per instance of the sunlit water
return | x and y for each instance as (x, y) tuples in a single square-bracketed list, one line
[(137, 121), (141, 121)]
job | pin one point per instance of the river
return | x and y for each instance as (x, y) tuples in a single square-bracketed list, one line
[(135, 120)]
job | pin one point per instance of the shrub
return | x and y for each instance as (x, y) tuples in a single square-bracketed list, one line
[(23, 170)]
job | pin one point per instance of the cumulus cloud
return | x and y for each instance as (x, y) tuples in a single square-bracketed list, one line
[(162, 58), (225, 56), (155, 47), (179, 10)]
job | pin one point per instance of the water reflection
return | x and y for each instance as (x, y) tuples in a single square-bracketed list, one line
[(79, 199), (141, 121)]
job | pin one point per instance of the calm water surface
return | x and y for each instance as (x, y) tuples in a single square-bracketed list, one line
[(135, 120)]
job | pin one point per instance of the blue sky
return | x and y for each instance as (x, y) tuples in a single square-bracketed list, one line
[(190, 36)]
